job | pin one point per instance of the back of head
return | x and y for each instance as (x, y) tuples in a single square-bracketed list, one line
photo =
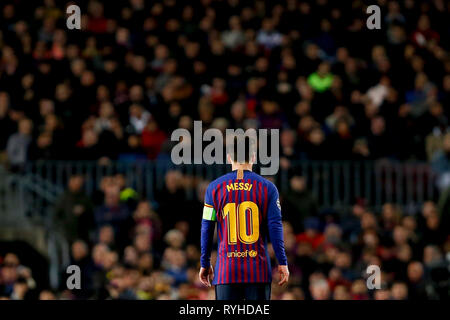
[(242, 149)]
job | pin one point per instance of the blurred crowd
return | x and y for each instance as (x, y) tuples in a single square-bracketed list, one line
[(127, 248), (137, 70)]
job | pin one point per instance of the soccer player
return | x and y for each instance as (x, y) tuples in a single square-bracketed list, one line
[(247, 210)]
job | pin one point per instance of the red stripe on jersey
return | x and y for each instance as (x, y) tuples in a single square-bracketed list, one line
[(266, 265), (244, 264), (247, 260), (253, 247), (229, 268), (258, 266), (214, 193), (261, 243), (238, 244), (224, 235)]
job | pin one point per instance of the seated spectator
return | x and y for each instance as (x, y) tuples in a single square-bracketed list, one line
[(267, 36), (113, 213), (19, 143), (322, 79), (7, 125), (312, 234), (152, 139), (441, 163), (74, 211), (298, 203), (320, 290), (399, 291)]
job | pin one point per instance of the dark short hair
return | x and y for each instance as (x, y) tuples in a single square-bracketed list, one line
[(249, 144)]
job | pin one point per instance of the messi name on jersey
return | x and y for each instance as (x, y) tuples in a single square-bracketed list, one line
[(239, 186)]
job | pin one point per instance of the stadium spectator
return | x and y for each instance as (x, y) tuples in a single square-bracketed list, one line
[(74, 211), (18, 144), (298, 203)]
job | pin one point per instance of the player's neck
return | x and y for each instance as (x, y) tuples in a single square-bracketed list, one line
[(241, 166)]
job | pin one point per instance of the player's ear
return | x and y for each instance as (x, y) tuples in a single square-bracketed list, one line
[(253, 158), (229, 158)]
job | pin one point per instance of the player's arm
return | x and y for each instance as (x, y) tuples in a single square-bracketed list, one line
[(207, 235), (275, 227)]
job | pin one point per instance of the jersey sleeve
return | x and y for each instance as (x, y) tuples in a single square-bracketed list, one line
[(207, 231), (275, 225), (209, 213)]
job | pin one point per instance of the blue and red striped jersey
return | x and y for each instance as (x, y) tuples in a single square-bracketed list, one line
[(247, 212)]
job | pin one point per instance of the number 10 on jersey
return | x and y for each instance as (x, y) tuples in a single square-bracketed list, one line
[(236, 215)]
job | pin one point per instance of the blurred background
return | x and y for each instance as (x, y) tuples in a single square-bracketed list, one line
[(86, 117)]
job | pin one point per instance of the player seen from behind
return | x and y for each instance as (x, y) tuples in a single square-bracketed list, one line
[(246, 208)]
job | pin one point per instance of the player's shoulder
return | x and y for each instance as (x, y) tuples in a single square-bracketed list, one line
[(213, 184), (265, 182)]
